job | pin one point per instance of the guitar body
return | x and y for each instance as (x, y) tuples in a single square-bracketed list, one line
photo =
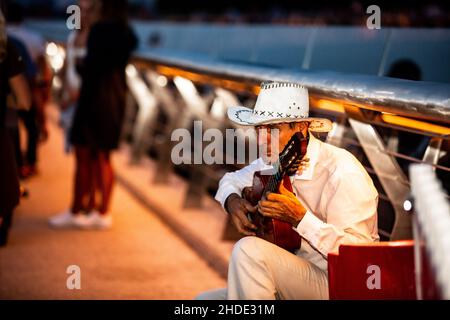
[(273, 230)]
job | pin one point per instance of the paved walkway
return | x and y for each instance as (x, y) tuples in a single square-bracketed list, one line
[(139, 258)]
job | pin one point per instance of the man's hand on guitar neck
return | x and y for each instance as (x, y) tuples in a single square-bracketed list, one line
[(238, 208), (284, 206)]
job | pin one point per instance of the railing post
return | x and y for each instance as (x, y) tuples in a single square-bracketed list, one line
[(388, 172)]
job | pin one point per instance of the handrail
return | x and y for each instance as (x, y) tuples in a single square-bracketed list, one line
[(416, 99)]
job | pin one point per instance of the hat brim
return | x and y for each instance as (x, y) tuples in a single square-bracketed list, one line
[(244, 116)]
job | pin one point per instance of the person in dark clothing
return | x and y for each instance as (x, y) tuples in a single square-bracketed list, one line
[(31, 47), (12, 81), (99, 115), (29, 117)]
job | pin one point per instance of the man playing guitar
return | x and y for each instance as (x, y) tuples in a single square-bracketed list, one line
[(333, 202)]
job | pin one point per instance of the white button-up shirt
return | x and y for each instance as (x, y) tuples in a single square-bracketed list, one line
[(339, 196)]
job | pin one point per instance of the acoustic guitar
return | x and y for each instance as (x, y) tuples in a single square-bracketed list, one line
[(274, 230)]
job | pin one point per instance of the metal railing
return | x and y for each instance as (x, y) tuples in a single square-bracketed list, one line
[(423, 100)]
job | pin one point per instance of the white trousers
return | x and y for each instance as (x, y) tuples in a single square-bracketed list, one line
[(260, 270)]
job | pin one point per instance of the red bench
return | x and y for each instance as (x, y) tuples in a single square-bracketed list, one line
[(383, 270)]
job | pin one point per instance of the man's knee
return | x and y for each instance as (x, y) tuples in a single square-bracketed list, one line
[(248, 248)]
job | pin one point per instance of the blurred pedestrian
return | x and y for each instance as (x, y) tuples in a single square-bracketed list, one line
[(32, 47), (13, 114), (99, 115), (12, 81)]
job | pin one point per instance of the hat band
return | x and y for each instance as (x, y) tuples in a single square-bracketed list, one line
[(277, 114)]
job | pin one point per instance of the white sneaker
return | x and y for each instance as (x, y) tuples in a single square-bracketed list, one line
[(100, 221), (62, 220), (82, 221)]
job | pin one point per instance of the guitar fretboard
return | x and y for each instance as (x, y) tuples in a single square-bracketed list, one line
[(274, 180)]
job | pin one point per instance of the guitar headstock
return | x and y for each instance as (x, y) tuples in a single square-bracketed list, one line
[(293, 152)]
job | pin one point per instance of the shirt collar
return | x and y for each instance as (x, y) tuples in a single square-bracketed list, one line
[(312, 152)]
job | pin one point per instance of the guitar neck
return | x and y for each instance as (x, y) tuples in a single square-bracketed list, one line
[(273, 182), (287, 160)]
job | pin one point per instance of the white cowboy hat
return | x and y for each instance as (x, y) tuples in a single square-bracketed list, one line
[(279, 102)]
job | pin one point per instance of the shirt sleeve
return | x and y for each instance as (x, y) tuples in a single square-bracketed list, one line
[(351, 215), (234, 182)]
